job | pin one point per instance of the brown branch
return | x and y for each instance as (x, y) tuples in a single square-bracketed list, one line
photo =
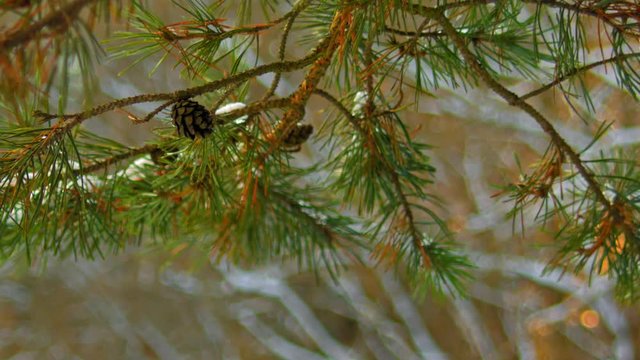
[(335, 102), (104, 164), (416, 238), (299, 6), (78, 118), (156, 111), (592, 11), (425, 34), (577, 71), (514, 100), (299, 98), (253, 108), (61, 18), (168, 32)]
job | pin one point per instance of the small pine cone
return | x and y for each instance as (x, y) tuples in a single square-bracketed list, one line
[(191, 119), (298, 135)]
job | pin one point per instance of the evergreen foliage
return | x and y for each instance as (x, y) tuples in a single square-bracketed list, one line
[(239, 192)]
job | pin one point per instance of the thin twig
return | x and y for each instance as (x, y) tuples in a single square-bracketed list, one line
[(424, 34), (300, 97), (222, 98), (369, 107), (577, 71), (170, 34), (156, 111), (332, 238), (297, 9), (593, 11), (335, 102), (514, 100), (104, 164), (185, 93), (369, 110)]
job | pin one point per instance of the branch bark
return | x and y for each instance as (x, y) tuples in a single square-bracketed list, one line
[(516, 101), (592, 11)]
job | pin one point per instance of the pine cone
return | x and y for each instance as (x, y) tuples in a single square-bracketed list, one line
[(298, 135), (191, 119)]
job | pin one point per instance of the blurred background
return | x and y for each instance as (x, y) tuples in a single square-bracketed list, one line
[(158, 303)]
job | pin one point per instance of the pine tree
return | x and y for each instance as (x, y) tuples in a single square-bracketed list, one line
[(222, 172)]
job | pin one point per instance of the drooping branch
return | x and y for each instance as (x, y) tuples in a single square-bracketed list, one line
[(395, 180), (514, 100), (369, 110)]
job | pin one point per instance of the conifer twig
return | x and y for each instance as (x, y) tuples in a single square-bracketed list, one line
[(60, 17), (514, 100), (592, 11), (404, 202), (246, 29), (577, 71), (104, 164), (247, 110), (335, 102), (293, 204), (299, 98), (424, 34), (155, 112), (298, 7), (185, 93), (389, 169)]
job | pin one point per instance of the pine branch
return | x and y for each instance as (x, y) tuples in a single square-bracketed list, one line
[(104, 164), (578, 71), (411, 221), (250, 109), (424, 34), (595, 11), (514, 100), (298, 8), (390, 171), (70, 120), (173, 33), (300, 97), (335, 102), (238, 184), (627, 10), (369, 110), (330, 236), (60, 18)]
